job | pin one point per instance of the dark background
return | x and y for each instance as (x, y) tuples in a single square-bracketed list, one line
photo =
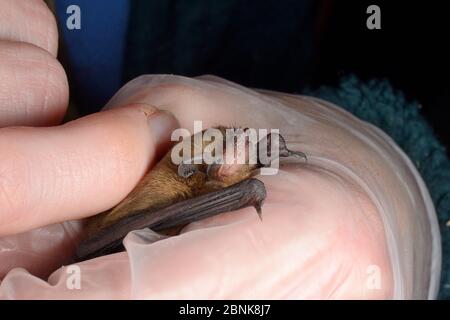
[(283, 45), (289, 44), (411, 50)]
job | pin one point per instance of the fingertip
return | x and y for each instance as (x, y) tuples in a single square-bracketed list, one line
[(161, 123)]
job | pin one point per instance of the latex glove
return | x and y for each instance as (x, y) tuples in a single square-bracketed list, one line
[(329, 231)]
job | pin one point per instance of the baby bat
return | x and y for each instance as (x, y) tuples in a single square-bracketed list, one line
[(170, 196)]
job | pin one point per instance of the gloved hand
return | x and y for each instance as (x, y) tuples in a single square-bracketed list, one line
[(354, 222)]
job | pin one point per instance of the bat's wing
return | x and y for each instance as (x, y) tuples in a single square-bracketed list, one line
[(247, 193)]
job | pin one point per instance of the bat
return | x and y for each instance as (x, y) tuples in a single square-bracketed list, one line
[(170, 196)]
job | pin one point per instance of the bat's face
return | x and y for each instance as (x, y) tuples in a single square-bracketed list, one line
[(227, 158)]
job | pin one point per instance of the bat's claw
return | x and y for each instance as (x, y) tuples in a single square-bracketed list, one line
[(258, 208)]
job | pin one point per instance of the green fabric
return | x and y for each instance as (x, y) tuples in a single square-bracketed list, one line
[(378, 103)]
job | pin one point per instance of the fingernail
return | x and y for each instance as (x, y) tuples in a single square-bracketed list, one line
[(162, 123)]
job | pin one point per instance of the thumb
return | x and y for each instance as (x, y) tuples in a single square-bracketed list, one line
[(78, 169)]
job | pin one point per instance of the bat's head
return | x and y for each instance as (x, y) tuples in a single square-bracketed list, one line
[(225, 154), (229, 155)]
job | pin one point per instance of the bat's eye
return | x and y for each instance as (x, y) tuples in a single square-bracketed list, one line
[(187, 170)]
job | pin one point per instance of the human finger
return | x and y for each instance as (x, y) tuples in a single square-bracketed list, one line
[(81, 168)]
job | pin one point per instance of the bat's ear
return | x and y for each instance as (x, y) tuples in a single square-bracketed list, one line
[(274, 142)]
